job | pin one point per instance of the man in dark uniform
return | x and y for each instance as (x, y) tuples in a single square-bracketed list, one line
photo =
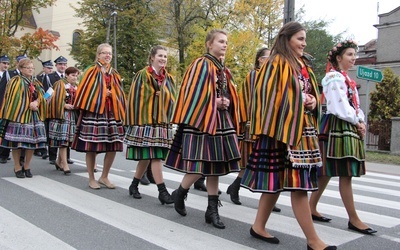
[(7, 75), (4, 63), (59, 73), (45, 80)]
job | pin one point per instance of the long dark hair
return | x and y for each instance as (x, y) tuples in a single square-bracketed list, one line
[(281, 44), (259, 54)]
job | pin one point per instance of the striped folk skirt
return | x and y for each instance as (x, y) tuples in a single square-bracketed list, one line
[(274, 166), (61, 132), (148, 142), (30, 135), (343, 151), (195, 152), (98, 133)]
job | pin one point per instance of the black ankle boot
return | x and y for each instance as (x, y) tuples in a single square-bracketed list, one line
[(179, 197), (212, 215), (233, 191), (149, 174), (134, 190), (199, 184), (144, 180), (163, 195)]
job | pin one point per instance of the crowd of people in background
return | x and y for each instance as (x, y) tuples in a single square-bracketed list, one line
[(270, 131)]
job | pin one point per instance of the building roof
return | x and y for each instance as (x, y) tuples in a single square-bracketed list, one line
[(367, 53)]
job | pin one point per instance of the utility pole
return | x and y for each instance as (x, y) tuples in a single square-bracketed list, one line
[(114, 13), (288, 11), (113, 18), (115, 39)]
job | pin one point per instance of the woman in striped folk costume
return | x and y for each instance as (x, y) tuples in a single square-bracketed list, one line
[(149, 110), (101, 102), (284, 117), (246, 140), (341, 133), (62, 116), (207, 115), (22, 117)]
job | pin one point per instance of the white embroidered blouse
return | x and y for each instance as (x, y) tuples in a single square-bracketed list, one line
[(337, 102)]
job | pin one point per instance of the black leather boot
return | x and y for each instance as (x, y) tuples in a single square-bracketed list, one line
[(134, 190), (179, 196), (163, 195), (276, 209), (212, 215), (149, 174), (199, 184), (144, 180), (233, 191)]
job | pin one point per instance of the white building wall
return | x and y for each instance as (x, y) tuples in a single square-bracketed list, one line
[(59, 18)]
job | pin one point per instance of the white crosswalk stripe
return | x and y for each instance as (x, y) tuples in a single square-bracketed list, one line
[(157, 231), (372, 193)]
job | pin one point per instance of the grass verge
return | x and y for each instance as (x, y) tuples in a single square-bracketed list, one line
[(382, 157)]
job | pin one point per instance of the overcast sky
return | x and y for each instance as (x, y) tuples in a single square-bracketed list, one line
[(355, 17)]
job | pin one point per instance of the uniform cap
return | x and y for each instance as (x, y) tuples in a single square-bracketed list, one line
[(61, 59), (19, 58), (48, 64), (4, 58)]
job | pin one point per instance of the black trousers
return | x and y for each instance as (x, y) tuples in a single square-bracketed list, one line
[(53, 153), (4, 153)]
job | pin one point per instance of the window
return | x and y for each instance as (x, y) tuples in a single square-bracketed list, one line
[(76, 39)]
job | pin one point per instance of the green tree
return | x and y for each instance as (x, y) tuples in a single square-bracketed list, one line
[(15, 16), (385, 100), (137, 32), (250, 24), (319, 42), (181, 21), (384, 104)]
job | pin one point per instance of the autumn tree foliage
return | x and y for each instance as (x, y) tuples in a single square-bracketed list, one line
[(183, 22), (14, 17), (250, 24)]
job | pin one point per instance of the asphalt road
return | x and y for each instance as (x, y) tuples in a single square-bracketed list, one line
[(54, 211)]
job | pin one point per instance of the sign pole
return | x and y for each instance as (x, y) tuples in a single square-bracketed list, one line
[(366, 114)]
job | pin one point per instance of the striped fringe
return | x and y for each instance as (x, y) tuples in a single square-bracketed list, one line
[(158, 135), (195, 152), (98, 133), (25, 135), (61, 132)]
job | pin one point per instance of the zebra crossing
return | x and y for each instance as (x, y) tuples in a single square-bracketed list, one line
[(52, 211)]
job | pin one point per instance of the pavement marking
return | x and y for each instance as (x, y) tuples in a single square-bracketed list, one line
[(18, 233), (387, 176), (367, 180), (324, 208), (370, 189), (161, 232), (278, 223), (388, 237), (367, 200)]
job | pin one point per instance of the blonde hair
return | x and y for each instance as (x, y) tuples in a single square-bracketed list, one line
[(211, 36), (100, 48), (23, 62)]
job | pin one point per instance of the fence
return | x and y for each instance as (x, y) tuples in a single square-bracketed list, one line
[(378, 136)]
